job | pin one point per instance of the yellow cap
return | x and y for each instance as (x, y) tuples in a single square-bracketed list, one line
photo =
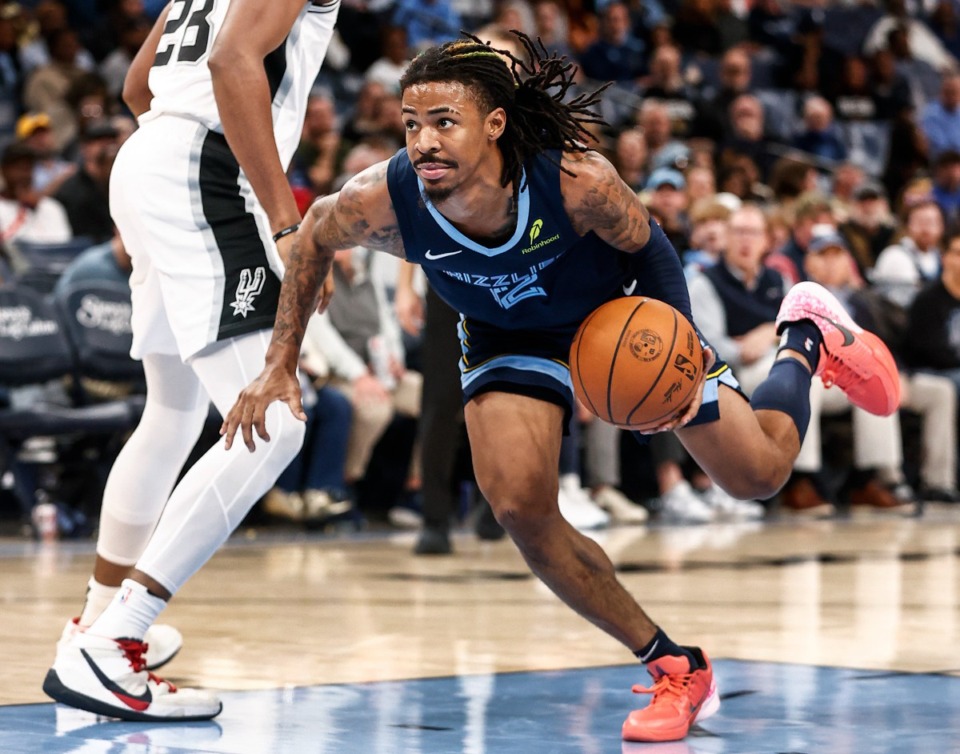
[(28, 124)]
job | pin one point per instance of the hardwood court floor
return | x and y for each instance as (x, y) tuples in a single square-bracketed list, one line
[(276, 612)]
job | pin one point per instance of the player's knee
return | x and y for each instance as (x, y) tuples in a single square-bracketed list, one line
[(759, 482), (286, 433)]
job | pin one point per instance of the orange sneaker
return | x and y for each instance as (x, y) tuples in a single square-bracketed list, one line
[(851, 358), (681, 697)]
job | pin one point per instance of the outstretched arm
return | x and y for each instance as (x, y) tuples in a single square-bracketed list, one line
[(359, 215)]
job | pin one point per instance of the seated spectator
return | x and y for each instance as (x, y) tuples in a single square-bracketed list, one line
[(943, 22), (941, 119), (667, 202), (749, 135), (666, 84), (630, 157), (904, 267), (701, 184), (552, 26), (924, 78), (315, 163), (51, 17), (46, 88), (653, 117), (25, 214), (946, 186), (917, 35), (695, 28), (11, 75), (811, 209), (713, 109), (389, 67), (889, 86), (617, 55), (428, 22), (86, 194), (870, 227), (113, 68), (50, 170), (846, 178), (819, 137), (106, 262), (708, 236), (854, 99)]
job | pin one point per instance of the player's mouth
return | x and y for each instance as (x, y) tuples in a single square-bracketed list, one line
[(433, 170)]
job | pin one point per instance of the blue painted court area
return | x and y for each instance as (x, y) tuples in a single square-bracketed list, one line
[(767, 709)]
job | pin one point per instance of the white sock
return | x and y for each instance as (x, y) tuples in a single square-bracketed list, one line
[(132, 611), (98, 597)]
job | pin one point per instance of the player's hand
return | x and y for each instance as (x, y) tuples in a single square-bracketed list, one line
[(249, 412), (327, 289), (693, 407)]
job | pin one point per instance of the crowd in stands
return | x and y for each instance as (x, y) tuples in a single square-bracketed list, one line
[(774, 142)]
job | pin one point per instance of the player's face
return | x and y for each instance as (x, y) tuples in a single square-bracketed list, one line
[(447, 135)]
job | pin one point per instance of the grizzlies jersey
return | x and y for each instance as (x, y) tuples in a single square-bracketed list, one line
[(180, 79), (545, 277)]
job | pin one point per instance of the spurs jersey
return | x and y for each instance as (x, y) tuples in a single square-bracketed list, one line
[(180, 79)]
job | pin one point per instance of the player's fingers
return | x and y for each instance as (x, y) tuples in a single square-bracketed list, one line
[(296, 408), (709, 359), (260, 423), (229, 428)]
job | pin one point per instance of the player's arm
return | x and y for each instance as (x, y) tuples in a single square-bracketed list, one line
[(598, 200), (251, 30), (136, 87), (361, 214)]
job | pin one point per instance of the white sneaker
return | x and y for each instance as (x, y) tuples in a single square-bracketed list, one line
[(728, 508), (281, 504), (622, 509), (577, 507), (109, 677), (162, 642), (681, 505)]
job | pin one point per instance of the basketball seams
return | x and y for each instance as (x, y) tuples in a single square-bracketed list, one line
[(663, 368), (616, 353)]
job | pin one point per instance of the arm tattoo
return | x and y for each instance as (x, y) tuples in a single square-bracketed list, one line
[(608, 207)]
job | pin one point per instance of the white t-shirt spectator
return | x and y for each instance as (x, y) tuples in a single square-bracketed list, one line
[(47, 223)]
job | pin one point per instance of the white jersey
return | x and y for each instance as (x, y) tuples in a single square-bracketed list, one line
[(180, 78)]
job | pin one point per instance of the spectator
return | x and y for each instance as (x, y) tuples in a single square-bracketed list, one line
[(47, 86), (552, 26), (113, 68), (617, 55), (665, 83), (946, 186), (106, 262), (51, 18), (889, 87), (819, 137), (630, 157), (870, 227), (85, 195), (924, 79), (941, 119), (695, 28), (107, 35), (50, 171), (748, 134), (903, 268), (389, 67), (427, 22), (811, 209), (667, 202), (908, 151), (11, 75), (701, 184), (315, 163), (25, 214), (708, 236), (713, 121), (653, 117), (847, 177), (921, 41), (943, 23)]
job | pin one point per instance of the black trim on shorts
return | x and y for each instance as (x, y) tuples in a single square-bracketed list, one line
[(238, 240)]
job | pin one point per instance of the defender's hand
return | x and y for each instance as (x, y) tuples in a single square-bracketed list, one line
[(249, 412)]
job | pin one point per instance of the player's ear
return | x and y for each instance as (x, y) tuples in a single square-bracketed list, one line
[(495, 123)]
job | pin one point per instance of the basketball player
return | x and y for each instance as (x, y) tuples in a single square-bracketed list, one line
[(200, 197), (524, 230)]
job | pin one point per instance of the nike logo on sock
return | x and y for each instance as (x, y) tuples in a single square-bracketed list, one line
[(138, 702), (649, 654)]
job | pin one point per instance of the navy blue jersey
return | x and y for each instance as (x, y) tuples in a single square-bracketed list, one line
[(544, 277)]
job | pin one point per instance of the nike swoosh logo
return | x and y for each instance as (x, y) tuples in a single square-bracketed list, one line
[(137, 703), (629, 289), (847, 335), (431, 255)]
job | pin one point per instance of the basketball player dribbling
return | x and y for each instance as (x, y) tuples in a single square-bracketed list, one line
[(200, 196), (524, 230)]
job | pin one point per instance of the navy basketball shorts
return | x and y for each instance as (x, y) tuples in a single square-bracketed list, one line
[(534, 363)]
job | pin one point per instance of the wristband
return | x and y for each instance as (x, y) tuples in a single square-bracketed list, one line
[(285, 232)]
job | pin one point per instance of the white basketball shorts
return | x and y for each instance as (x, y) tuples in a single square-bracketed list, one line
[(205, 267)]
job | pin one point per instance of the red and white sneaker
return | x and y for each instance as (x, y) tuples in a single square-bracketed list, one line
[(681, 697), (109, 677), (162, 642), (851, 358)]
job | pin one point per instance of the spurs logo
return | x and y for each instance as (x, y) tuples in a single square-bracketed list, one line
[(249, 287)]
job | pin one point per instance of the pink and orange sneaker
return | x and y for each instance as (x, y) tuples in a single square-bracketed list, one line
[(851, 358), (681, 697)]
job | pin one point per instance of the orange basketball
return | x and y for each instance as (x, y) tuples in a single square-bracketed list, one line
[(635, 362)]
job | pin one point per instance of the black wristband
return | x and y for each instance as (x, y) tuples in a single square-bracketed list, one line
[(285, 232)]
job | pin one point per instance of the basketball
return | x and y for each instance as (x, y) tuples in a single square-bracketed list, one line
[(635, 362)]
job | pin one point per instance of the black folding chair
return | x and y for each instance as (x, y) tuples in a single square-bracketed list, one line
[(45, 262)]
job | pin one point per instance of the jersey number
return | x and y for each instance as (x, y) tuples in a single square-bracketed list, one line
[(190, 44)]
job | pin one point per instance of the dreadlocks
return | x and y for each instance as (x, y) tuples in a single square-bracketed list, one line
[(531, 92)]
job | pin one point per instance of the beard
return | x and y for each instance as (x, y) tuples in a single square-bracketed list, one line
[(438, 195)]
